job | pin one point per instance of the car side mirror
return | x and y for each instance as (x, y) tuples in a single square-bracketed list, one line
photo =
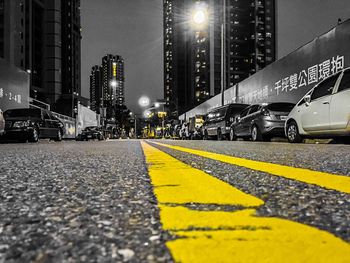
[(238, 118), (307, 100)]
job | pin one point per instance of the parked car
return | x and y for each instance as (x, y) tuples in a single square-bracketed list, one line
[(218, 121), (323, 112), (2, 123), (195, 127), (91, 133), (261, 122), (32, 124)]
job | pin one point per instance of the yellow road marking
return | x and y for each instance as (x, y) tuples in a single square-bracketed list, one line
[(217, 236), (339, 183)]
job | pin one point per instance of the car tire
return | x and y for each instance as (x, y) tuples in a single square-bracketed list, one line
[(34, 136), (256, 134), (293, 134), (233, 136), (219, 135), (59, 136)]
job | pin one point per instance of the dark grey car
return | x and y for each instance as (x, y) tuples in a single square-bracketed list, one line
[(218, 121), (31, 124), (261, 122)]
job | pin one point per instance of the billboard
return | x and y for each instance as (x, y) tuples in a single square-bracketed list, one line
[(14, 87), (290, 78)]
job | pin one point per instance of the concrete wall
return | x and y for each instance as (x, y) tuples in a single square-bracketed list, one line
[(14, 87)]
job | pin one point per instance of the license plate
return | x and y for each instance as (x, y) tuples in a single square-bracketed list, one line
[(283, 118), (89, 136)]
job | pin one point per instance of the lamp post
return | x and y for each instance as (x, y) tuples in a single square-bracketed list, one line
[(200, 19), (223, 52)]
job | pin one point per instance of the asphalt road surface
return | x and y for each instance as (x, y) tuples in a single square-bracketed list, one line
[(174, 201)]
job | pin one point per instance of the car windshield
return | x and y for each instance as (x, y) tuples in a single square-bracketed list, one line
[(284, 107), (22, 113), (90, 128)]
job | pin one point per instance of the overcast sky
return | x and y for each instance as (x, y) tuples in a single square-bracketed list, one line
[(133, 29)]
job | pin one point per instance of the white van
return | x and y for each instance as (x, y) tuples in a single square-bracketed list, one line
[(323, 112)]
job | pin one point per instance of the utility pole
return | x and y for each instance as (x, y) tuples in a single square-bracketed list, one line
[(223, 52)]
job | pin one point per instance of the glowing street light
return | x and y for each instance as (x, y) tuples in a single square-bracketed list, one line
[(200, 16), (114, 83), (146, 113), (144, 101)]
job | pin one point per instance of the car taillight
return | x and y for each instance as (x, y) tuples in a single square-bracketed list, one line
[(265, 112)]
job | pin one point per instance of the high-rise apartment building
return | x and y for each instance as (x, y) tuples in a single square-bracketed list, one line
[(193, 57), (107, 85), (43, 37), (71, 47), (95, 89)]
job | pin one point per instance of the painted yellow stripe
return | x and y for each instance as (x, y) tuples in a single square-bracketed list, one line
[(220, 236), (339, 183)]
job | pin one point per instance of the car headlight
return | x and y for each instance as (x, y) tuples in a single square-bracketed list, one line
[(21, 124)]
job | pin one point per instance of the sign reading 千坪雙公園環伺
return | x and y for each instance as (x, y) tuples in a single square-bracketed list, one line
[(14, 87), (291, 77)]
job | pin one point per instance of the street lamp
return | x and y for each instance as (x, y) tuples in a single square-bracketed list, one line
[(114, 83), (144, 101), (199, 15), (200, 19)]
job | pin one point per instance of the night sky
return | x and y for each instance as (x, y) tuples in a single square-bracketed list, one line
[(134, 30)]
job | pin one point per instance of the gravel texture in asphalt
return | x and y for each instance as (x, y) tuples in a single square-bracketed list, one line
[(78, 202), (308, 204)]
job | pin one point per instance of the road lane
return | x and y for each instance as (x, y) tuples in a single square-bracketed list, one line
[(329, 158), (284, 198), (223, 236), (330, 181), (78, 202)]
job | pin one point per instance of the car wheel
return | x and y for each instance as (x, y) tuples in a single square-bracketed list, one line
[(219, 136), (233, 136), (59, 136), (293, 135), (256, 134), (34, 137)]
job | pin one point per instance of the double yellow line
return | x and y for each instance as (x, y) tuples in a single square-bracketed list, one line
[(207, 235), (330, 181)]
